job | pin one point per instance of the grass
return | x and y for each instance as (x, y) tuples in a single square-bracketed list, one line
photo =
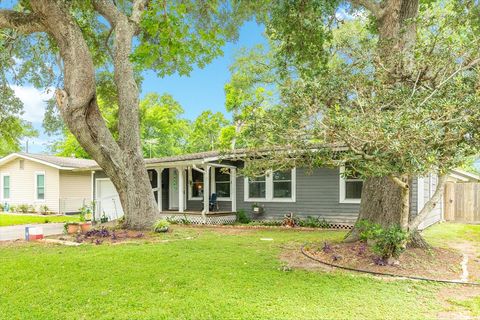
[(11, 219), (215, 275), (440, 234)]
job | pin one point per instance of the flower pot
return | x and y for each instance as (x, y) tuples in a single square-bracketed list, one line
[(73, 228), (85, 227)]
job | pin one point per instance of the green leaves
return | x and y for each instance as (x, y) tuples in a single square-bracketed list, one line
[(175, 36)]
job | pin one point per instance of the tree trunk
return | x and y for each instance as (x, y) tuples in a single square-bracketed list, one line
[(384, 202), (416, 240), (122, 162)]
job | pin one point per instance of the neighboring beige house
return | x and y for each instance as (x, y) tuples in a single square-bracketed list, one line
[(62, 184)]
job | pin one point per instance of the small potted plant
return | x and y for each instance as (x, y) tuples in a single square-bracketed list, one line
[(84, 225), (161, 226), (72, 227)]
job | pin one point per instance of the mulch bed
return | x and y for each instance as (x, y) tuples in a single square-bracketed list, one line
[(436, 263), (104, 235)]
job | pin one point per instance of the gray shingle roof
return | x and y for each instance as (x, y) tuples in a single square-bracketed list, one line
[(64, 162)]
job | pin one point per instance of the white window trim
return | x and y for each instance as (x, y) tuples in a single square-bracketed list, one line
[(190, 186), (1, 183), (213, 187), (38, 173), (269, 189), (342, 188)]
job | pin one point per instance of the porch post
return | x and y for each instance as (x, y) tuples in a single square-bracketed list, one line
[(181, 190), (159, 189), (206, 193), (233, 189)]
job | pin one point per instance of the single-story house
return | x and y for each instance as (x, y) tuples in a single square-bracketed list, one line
[(60, 184), (182, 184)]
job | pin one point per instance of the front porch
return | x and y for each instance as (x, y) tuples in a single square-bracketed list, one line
[(195, 192)]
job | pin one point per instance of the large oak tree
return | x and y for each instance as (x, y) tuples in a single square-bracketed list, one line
[(68, 43), (391, 87)]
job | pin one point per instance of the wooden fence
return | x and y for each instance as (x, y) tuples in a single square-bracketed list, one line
[(462, 202)]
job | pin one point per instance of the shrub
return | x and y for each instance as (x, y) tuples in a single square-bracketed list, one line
[(368, 230), (389, 242), (31, 209), (313, 222), (1, 207), (161, 225), (13, 208), (44, 209), (242, 217), (23, 208)]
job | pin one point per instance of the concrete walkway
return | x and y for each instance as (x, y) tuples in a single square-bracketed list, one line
[(18, 232)]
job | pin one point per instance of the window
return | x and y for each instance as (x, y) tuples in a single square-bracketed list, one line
[(277, 186), (257, 187), (196, 184), (40, 185), (222, 183), (21, 164), (6, 187), (350, 188), (282, 184)]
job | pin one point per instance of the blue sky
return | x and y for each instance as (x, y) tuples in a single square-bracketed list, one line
[(201, 90)]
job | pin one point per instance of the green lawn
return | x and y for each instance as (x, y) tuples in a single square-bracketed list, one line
[(440, 234), (11, 220), (215, 275)]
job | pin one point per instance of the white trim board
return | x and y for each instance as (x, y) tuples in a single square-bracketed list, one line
[(342, 191), (14, 156), (269, 189)]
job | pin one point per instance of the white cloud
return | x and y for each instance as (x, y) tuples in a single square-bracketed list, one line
[(34, 102)]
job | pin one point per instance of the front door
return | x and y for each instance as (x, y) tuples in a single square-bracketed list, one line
[(173, 189)]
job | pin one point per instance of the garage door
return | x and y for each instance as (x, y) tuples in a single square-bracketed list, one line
[(108, 201)]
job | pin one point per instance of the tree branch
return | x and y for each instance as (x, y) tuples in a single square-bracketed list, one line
[(371, 6), (430, 205), (108, 10), (138, 7), (24, 23), (399, 182)]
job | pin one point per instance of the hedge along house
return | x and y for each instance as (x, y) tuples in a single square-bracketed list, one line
[(183, 184), (61, 184)]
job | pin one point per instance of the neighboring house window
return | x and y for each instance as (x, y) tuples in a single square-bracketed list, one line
[(222, 183), (21, 164), (278, 186), (40, 185), (197, 184), (350, 187), (6, 187)]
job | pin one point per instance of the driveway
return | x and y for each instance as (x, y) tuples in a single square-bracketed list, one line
[(18, 232)]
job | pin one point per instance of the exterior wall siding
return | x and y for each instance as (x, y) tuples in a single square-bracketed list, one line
[(75, 190), (430, 184), (22, 184), (317, 194)]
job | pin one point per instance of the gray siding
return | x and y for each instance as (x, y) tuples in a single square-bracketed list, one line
[(429, 186), (317, 194)]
